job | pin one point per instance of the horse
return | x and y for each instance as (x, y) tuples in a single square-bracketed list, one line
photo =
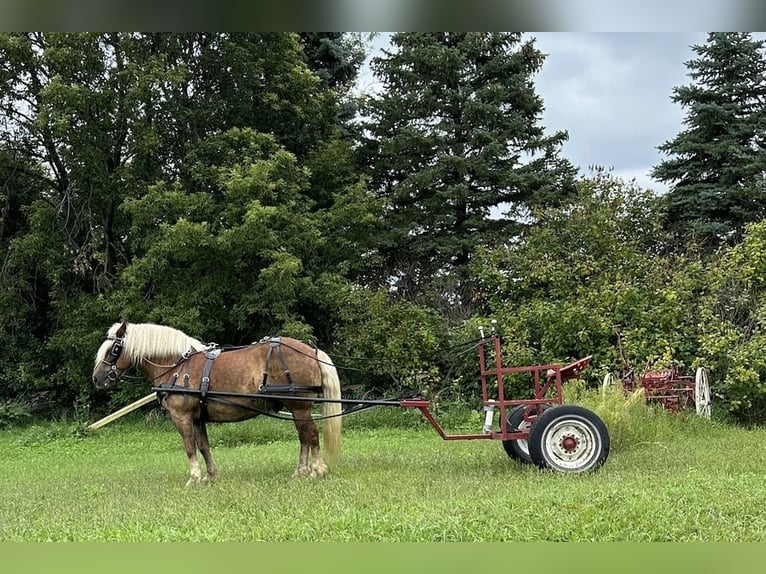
[(201, 384)]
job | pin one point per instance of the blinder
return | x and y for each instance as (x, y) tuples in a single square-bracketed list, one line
[(114, 354), (116, 349)]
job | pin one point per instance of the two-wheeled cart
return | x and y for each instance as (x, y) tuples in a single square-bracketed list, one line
[(541, 429)]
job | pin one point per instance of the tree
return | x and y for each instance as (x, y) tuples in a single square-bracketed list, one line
[(336, 57), (452, 140), (24, 300), (333, 56), (109, 114), (97, 127), (74, 104), (717, 164)]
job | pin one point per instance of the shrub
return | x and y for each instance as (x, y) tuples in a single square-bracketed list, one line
[(13, 412)]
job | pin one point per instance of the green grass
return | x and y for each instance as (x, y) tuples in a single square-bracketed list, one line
[(667, 478)]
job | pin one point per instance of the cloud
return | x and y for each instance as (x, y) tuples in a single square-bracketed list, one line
[(611, 92)]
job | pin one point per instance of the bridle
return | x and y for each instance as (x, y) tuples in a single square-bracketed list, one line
[(112, 357), (114, 353)]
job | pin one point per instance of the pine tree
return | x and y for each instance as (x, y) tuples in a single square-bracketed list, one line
[(333, 56), (717, 164), (455, 148)]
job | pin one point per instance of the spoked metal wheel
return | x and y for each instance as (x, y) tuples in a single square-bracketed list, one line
[(570, 439), (609, 381), (702, 393), (518, 448)]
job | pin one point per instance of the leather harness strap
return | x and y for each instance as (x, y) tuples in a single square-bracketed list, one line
[(172, 383), (210, 356), (276, 343)]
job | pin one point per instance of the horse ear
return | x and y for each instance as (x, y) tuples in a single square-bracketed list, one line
[(121, 331)]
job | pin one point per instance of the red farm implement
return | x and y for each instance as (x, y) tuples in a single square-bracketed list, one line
[(668, 388)]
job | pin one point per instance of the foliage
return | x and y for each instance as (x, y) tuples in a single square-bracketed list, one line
[(594, 278), (142, 164), (333, 56), (212, 182), (443, 146), (716, 164), (393, 342), (732, 322), (13, 413)]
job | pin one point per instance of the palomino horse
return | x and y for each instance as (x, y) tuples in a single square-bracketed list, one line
[(190, 370)]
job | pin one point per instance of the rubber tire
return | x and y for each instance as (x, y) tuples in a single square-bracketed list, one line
[(518, 449), (572, 421)]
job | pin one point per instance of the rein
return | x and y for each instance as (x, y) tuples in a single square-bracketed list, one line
[(224, 397)]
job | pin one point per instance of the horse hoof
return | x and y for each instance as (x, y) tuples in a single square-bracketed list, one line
[(318, 470), (300, 472)]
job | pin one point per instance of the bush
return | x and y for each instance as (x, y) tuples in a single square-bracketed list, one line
[(388, 343), (13, 413), (732, 320)]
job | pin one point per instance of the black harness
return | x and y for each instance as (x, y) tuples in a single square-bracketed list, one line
[(275, 344), (275, 348), (112, 357), (211, 354)]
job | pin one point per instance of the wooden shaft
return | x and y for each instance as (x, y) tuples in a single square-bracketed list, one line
[(123, 411)]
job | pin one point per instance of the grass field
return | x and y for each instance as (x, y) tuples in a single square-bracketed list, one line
[(667, 479)]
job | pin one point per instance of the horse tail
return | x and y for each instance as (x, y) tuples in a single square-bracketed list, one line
[(330, 409)]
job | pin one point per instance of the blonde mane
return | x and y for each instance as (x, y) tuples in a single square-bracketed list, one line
[(149, 341)]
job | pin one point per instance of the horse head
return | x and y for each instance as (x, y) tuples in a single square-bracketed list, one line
[(110, 360)]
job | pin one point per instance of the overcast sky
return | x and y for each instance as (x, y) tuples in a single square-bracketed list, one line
[(611, 92)]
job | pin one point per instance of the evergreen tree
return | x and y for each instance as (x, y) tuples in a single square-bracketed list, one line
[(717, 164), (333, 56), (454, 146), (336, 57)]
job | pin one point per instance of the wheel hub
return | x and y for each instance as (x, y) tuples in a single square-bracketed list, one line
[(569, 443)]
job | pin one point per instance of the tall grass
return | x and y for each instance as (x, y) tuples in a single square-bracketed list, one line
[(668, 477), (630, 420)]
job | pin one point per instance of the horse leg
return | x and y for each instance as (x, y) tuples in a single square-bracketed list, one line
[(310, 460), (303, 457), (185, 426), (200, 431)]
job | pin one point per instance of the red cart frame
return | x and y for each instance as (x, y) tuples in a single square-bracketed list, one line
[(544, 377)]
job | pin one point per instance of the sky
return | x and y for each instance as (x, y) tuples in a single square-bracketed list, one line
[(611, 92)]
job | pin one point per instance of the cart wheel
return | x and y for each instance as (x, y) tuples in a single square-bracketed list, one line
[(519, 448), (702, 393), (609, 381), (569, 438)]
